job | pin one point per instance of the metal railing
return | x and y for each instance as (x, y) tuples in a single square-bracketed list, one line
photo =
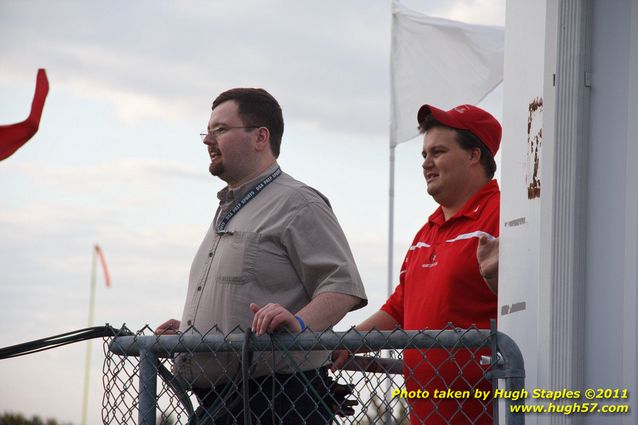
[(377, 381)]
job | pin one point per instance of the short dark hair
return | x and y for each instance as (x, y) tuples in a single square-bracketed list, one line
[(466, 140), (258, 108)]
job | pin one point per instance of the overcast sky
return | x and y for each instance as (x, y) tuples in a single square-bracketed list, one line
[(118, 160)]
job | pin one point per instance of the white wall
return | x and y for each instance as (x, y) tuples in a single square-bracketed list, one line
[(520, 215), (612, 236), (571, 254)]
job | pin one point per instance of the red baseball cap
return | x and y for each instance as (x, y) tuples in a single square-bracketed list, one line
[(467, 117)]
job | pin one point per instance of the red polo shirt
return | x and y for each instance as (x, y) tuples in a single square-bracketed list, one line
[(440, 283)]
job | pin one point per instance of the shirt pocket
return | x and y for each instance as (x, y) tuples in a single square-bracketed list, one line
[(237, 254)]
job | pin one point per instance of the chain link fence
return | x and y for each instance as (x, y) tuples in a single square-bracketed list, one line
[(437, 377)]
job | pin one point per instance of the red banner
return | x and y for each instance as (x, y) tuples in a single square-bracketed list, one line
[(13, 136)]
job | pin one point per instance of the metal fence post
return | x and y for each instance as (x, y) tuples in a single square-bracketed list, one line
[(387, 397), (513, 372), (515, 384), (493, 364), (148, 387)]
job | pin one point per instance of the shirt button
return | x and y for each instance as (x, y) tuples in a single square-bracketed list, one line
[(189, 323), (210, 254), (199, 288)]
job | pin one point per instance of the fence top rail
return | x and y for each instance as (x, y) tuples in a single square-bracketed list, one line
[(166, 345)]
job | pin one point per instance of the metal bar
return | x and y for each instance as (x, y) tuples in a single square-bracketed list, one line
[(87, 359), (374, 365), (515, 384), (391, 223), (514, 374), (148, 387), (165, 346), (493, 365)]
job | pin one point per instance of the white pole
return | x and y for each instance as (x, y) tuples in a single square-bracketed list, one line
[(391, 224), (87, 362), (388, 419), (388, 416)]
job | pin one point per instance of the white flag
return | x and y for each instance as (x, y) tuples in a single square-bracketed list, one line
[(440, 62)]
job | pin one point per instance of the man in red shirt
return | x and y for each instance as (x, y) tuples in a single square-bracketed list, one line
[(450, 273)]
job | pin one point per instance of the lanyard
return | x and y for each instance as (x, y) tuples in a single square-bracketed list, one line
[(249, 196)]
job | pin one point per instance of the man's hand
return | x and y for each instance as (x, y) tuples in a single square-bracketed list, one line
[(380, 320), (339, 358), (487, 257), (170, 327), (272, 316)]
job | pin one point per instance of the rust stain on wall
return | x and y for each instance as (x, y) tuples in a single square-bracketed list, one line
[(534, 141)]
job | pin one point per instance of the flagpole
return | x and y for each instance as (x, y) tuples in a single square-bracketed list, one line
[(87, 364), (391, 223), (388, 417)]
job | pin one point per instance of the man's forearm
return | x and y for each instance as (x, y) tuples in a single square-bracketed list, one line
[(326, 310), (380, 320), (492, 282)]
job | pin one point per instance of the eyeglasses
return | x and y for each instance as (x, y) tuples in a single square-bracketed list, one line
[(220, 131)]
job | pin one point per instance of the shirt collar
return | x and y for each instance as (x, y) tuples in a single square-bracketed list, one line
[(471, 209), (230, 195)]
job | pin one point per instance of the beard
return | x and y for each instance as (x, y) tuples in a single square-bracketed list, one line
[(216, 169)]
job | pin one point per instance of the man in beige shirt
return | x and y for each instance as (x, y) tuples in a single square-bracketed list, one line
[(274, 257)]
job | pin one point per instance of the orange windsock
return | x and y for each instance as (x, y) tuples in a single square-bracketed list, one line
[(100, 255)]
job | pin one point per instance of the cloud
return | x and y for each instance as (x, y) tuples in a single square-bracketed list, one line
[(116, 172), (483, 12), (148, 230), (215, 47), (132, 184)]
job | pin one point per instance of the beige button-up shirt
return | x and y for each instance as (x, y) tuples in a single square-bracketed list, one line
[(285, 246)]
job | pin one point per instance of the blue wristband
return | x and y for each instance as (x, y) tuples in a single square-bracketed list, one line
[(301, 323)]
